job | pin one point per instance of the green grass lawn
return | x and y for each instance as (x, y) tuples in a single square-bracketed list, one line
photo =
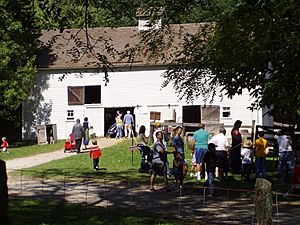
[(30, 150), (118, 163), (38, 212)]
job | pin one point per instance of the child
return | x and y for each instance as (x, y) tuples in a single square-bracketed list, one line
[(210, 162), (177, 170), (193, 166), (4, 145), (261, 145), (247, 156), (95, 154), (92, 134)]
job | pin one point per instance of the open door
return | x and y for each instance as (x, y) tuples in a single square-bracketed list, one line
[(210, 116)]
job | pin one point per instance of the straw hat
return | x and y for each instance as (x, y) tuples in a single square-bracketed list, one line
[(157, 124), (247, 144)]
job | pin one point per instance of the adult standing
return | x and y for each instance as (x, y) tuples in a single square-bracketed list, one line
[(159, 161), (235, 152), (78, 132), (222, 146), (164, 141), (178, 145), (286, 156), (86, 136), (142, 138), (128, 122), (199, 146)]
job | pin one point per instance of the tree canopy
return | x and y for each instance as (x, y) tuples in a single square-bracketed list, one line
[(250, 45), (17, 55), (245, 44)]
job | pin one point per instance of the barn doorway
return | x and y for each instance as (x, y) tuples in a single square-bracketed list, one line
[(110, 114), (191, 114)]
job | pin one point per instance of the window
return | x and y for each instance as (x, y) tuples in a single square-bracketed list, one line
[(79, 95), (70, 114), (226, 112)]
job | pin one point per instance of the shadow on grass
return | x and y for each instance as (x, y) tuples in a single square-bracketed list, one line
[(36, 212)]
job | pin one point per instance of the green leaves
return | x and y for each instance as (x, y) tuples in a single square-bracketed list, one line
[(17, 55), (254, 45)]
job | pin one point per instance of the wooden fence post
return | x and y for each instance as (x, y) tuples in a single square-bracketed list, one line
[(263, 202), (3, 194)]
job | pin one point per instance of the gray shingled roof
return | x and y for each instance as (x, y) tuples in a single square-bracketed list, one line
[(68, 49)]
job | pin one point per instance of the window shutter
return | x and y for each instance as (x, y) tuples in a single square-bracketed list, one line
[(76, 95)]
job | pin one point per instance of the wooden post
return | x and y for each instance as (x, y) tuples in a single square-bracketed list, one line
[(3, 195), (253, 131), (263, 202)]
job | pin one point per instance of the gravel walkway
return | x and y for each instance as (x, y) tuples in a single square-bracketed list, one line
[(22, 163)]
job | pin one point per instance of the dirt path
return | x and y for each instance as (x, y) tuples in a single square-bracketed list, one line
[(22, 163)]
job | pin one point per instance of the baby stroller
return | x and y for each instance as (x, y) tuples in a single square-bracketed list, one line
[(146, 161), (70, 144), (112, 131)]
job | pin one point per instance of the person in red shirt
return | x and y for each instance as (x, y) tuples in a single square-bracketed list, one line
[(4, 145), (95, 154)]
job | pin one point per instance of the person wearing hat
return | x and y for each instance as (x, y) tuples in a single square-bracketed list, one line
[(247, 159), (128, 122)]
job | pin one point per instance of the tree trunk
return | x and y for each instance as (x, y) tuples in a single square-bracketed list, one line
[(3, 195), (263, 202)]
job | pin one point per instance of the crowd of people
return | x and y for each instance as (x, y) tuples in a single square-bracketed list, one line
[(213, 156)]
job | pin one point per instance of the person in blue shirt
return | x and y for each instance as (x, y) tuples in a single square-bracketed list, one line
[(178, 145), (199, 145), (128, 123)]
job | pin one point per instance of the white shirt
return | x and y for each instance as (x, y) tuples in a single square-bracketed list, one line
[(220, 141), (247, 154), (284, 143)]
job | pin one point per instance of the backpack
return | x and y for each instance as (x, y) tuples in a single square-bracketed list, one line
[(154, 153)]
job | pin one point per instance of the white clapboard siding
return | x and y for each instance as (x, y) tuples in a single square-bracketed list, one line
[(139, 89)]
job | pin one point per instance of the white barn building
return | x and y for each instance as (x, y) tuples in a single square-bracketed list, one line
[(70, 86)]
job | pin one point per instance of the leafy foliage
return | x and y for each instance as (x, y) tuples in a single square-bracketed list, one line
[(17, 55), (253, 45), (65, 14)]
